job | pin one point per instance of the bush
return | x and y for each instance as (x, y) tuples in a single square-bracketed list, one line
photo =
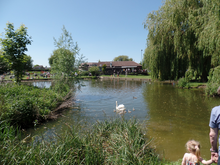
[(94, 70), (21, 104), (84, 73), (213, 81), (183, 83)]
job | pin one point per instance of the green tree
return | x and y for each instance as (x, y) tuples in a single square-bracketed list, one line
[(103, 68), (4, 63), (178, 39), (64, 57), (122, 58), (94, 70), (36, 65), (28, 62), (14, 45)]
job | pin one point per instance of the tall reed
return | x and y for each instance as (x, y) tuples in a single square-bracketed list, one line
[(110, 142)]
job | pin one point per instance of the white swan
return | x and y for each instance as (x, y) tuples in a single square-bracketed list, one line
[(120, 107)]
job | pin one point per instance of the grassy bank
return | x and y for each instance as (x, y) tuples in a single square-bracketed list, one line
[(110, 142), (25, 106)]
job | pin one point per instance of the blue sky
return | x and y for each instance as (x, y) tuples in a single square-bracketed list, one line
[(103, 29)]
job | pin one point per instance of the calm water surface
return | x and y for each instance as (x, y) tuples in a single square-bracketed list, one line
[(172, 116)]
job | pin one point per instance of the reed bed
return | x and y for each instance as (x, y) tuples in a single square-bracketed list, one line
[(115, 141)]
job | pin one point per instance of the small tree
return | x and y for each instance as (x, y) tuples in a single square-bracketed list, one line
[(103, 68), (63, 58), (14, 46), (214, 81), (94, 70)]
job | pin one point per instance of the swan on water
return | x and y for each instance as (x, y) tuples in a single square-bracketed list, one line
[(120, 107)]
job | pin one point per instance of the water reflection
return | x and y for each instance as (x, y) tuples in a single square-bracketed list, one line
[(176, 116), (40, 84), (172, 115)]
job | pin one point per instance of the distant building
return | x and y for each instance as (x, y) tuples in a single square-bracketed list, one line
[(114, 66), (40, 67)]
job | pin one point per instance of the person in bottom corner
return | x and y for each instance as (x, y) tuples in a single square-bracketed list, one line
[(193, 156)]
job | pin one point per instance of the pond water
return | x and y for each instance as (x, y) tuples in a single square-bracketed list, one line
[(172, 116)]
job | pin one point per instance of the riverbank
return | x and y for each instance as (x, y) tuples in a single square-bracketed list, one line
[(25, 106), (145, 78), (149, 79)]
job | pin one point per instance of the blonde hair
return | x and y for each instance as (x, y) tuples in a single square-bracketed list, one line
[(194, 147)]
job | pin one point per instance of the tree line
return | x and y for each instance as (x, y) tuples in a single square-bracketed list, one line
[(183, 39)]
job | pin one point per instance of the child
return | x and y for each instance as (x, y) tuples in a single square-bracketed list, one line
[(193, 158)]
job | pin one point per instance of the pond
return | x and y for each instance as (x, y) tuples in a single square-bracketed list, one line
[(172, 116)]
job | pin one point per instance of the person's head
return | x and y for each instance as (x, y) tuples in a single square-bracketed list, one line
[(193, 147)]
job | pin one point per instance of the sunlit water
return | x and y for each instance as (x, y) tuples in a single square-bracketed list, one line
[(172, 115)]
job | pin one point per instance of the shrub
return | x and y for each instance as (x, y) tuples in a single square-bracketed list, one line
[(94, 70), (213, 81), (183, 83), (22, 104), (84, 73)]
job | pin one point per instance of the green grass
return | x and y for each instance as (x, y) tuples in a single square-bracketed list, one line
[(197, 84), (110, 142)]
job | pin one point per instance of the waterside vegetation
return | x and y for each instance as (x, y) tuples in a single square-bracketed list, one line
[(111, 142), (23, 105)]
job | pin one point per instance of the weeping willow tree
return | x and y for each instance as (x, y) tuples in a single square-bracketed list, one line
[(179, 40)]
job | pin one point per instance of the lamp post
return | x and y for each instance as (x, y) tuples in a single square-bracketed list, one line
[(141, 56)]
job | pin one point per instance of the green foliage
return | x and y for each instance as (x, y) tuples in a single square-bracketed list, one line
[(66, 58), (28, 62), (104, 68), (14, 45), (189, 74), (36, 65), (183, 83), (21, 104), (122, 58), (4, 63), (109, 142), (63, 58), (94, 70), (62, 62), (214, 81), (84, 73), (181, 37)]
